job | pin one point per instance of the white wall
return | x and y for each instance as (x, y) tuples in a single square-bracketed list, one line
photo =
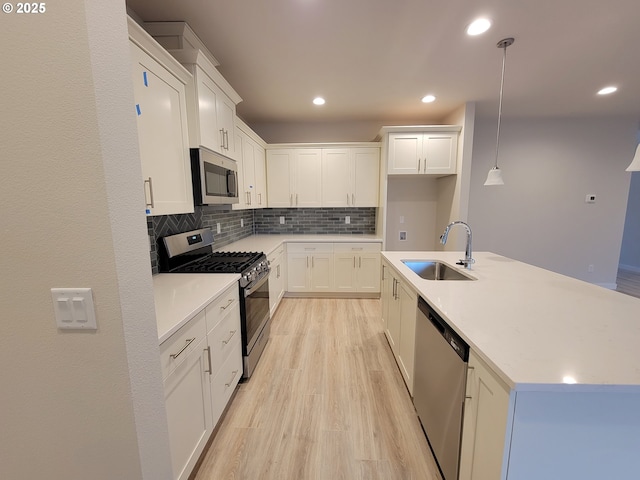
[(630, 252), (75, 405), (540, 216)]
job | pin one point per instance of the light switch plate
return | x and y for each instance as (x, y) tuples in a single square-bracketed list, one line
[(74, 308)]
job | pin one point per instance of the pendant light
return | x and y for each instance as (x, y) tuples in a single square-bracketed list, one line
[(495, 174), (635, 163)]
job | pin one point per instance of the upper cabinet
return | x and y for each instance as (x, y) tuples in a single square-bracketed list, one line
[(420, 153), (211, 99), (160, 84), (344, 176), (211, 104), (350, 177), (252, 180)]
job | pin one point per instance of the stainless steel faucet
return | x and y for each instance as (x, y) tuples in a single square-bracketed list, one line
[(468, 261)]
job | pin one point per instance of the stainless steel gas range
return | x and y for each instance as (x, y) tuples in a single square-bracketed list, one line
[(192, 252)]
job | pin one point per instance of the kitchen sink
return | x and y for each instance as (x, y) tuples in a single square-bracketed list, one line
[(434, 270)]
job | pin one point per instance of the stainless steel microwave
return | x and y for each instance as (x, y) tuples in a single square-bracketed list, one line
[(215, 178)]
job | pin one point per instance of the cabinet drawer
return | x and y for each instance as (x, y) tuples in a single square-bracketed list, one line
[(218, 309), (224, 382), (173, 351), (276, 253), (309, 248), (356, 247), (223, 337)]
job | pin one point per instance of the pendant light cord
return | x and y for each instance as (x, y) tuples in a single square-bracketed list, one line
[(504, 61)]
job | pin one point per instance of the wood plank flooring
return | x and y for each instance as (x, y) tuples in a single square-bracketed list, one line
[(628, 282), (326, 402)]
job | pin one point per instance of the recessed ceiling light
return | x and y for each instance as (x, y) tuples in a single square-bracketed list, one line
[(318, 101), (478, 26), (428, 99), (607, 90)]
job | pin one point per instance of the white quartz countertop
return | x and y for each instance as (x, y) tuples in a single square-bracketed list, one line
[(539, 330), (180, 296), (268, 243)]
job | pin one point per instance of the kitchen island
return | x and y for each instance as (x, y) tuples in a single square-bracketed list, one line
[(555, 383)]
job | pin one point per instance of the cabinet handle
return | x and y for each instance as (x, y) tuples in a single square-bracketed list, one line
[(222, 138), (278, 271), (296, 199), (150, 204), (311, 261), (235, 372), (383, 267), (210, 370), (227, 305), (226, 140), (359, 262), (232, 333), (354, 262), (291, 199), (347, 199), (259, 199), (307, 262), (175, 355), (353, 199), (418, 165)]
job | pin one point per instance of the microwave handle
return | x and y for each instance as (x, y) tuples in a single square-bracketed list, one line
[(232, 185)]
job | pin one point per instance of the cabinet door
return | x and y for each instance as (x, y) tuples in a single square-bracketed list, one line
[(386, 295), (242, 197), (207, 98), (248, 171), (279, 166), (404, 151), (368, 272), (406, 347), (162, 136), (365, 177), (321, 272), (188, 405), (297, 272), (393, 320), (345, 268), (336, 178), (307, 178), (440, 152), (484, 425), (260, 178), (226, 114)]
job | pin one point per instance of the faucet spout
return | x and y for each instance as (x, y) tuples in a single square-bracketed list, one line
[(468, 260)]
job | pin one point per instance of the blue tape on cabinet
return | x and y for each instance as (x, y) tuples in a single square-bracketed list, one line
[(144, 79), (138, 109)]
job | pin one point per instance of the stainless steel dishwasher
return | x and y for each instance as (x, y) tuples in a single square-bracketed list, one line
[(439, 386)]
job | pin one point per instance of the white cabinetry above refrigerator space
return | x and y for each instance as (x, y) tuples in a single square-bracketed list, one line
[(423, 153), (159, 85)]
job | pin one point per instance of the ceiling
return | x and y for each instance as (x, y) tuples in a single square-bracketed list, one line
[(375, 59)]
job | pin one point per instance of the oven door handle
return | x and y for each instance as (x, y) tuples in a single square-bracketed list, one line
[(249, 291)]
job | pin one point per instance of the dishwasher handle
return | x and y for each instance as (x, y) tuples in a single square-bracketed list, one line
[(452, 338)]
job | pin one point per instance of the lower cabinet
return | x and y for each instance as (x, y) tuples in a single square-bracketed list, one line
[(356, 267), (309, 267), (276, 278), (484, 428), (399, 303), (201, 365)]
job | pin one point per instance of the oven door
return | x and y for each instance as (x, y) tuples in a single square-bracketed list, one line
[(255, 312)]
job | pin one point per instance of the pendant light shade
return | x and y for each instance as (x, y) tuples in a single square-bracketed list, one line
[(495, 174), (635, 163)]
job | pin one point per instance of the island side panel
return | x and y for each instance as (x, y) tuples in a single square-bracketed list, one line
[(585, 435)]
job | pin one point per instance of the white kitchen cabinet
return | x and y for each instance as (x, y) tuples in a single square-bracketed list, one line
[(225, 348), (160, 84), (252, 181), (484, 429), (422, 153), (293, 177), (399, 303), (187, 395), (350, 177), (276, 278), (357, 267), (211, 104), (309, 267)]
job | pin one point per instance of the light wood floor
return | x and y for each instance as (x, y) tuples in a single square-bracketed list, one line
[(326, 402), (628, 282)]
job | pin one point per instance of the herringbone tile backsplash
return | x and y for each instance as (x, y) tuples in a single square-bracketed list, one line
[(298, 221)]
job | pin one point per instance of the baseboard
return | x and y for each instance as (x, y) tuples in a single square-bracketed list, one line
[(629, 268), (331, 295), (610, 286)]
